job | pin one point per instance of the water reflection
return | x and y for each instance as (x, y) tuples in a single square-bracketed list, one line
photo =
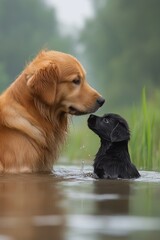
[(72, 205), (119, 191)]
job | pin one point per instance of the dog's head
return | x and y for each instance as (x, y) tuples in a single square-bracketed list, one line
[(59, 79), (110, 127)]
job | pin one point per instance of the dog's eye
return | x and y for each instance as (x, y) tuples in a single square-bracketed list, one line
[(76, 81), (106, 120)]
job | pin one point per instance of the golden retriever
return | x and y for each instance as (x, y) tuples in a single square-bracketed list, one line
[(34, 111)]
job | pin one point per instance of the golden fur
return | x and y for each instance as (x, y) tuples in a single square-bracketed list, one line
[(34, 111)]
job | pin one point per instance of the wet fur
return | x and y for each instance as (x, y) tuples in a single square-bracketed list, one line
[(112, 159), (35, 109)]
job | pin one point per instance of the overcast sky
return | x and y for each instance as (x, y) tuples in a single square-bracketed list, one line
[(72, 12)]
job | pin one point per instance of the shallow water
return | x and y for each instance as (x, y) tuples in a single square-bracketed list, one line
[(71, 205)]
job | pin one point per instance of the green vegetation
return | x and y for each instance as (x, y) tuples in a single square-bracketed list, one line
[(145, 142)]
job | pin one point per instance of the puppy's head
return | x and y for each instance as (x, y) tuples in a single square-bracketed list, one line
[(59, 79), (110, 127)]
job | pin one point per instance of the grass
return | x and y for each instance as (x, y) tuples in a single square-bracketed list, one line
[(145, 141), (144, 146)]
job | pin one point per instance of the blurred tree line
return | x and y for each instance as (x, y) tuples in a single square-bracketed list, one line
[(122, 43), (25, 28)]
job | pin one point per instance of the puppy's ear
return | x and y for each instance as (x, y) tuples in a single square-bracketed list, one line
[(43, 83), (120, 133)]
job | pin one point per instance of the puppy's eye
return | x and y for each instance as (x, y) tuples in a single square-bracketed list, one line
[(77, 81), (106, 120)]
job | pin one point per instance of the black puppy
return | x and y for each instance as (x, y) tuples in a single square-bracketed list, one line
[(112, 159)]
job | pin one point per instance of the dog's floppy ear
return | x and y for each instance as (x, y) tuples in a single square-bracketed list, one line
[(120, 133), (43, 83)]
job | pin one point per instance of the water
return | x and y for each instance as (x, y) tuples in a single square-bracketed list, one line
[(71, 205)]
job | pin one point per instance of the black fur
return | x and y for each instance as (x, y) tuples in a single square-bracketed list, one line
[(112, 159)]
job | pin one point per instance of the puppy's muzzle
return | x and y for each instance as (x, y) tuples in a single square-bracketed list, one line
[(92, 121)]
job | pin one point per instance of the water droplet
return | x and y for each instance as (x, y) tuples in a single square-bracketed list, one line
[(82, 166)]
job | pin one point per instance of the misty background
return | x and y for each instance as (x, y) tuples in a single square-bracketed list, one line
[(116, 41)]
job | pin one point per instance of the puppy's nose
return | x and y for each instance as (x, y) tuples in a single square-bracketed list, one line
[(91, 119), (100, 101), (91, 116)]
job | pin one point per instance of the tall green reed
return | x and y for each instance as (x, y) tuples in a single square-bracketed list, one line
[(143, 146)]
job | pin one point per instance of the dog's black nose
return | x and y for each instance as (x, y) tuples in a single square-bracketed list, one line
[(100, 101)]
